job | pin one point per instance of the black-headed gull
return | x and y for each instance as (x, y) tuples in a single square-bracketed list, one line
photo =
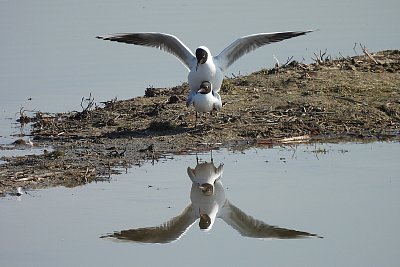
[(205, 99), (202, 65), (208, 202)]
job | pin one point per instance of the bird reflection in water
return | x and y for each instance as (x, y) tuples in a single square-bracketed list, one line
[(208, 202)]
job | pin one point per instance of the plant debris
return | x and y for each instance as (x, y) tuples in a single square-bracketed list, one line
[(346, 98)]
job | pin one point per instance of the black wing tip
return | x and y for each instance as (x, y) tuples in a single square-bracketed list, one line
[(308, 31), (106, 236), (297, 33), (291, 34), (101, 37), (110, 37)]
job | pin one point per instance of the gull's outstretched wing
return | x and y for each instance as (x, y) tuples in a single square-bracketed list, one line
[(249, 43), (165, 233), (163, 41), (250, 227)]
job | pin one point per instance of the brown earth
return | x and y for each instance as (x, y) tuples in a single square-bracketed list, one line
[(354, 98)]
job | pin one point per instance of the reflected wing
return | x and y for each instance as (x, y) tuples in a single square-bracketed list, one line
[(213, 171), (165, 233), (249, 43), (191, 173), (163, 41), (220, 170), (250, 227)]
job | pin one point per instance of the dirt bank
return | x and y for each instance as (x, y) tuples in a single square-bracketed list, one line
[(347, 98)]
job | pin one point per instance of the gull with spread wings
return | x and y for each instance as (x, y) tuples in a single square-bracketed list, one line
[(202, 65)]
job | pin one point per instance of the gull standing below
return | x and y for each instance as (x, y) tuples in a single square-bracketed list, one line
[(202, 65), (205, 99)]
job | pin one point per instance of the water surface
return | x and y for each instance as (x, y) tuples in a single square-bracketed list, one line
[(49, 53), (346, 193)]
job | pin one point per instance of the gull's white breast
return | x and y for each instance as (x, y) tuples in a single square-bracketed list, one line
[(204, 102), (205, 72)]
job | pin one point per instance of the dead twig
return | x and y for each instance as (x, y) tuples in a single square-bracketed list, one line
[(277, 64), (85, 109), (288, 61), (110, 103), (284, 65), (23, 119), (89, 103), (321, 58), (348, 59), (364, 49), (86, 175), (285, 140), (354, 49)]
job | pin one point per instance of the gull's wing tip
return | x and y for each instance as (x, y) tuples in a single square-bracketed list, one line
[(108, 37), (109, 236), (101, 37), (297, 33), (300, 33), (313, 30)]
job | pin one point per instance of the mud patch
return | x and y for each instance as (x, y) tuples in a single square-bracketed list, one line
[(347, 98)]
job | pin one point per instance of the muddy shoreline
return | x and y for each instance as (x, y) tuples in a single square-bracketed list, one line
[(355, 98)]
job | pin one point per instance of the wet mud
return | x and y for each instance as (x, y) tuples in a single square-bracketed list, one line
[(355, 98)]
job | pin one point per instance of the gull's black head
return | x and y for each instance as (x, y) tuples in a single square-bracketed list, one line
[(205, 221), (205, 88), (201, 56), (207, 189)]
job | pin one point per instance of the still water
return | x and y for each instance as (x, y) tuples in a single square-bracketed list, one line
[(348, 194), (50, 59)]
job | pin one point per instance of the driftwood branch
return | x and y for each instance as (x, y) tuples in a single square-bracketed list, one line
[(365, 51)]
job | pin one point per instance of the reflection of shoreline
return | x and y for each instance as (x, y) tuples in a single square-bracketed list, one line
[(208, 202)]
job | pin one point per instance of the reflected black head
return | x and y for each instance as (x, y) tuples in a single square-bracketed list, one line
[(207, 189), (201, 56), (205, 221)]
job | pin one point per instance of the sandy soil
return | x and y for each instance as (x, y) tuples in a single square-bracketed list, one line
[(354, 98)]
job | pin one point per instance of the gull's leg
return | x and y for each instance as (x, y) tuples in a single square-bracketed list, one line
[(214, 112)]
